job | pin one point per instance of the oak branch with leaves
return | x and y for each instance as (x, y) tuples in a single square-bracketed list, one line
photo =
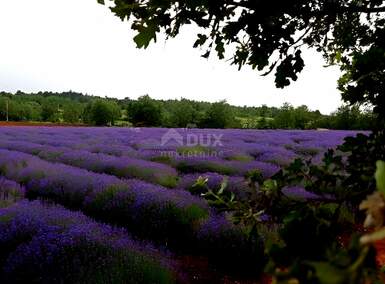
[(269, 36)]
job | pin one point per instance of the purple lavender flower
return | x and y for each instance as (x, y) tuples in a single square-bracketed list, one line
[(53, 245), (300, 193), (228, 244)]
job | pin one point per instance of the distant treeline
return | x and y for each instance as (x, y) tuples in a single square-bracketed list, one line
[(76, 108)]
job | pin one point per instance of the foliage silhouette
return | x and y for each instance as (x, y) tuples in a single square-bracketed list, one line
[(270, 36)]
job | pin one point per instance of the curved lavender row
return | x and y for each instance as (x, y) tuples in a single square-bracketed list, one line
[(123, 167), (299, 192), (174, 218), (273, 154), (235, 168), (41, 244), (10, 192), (113, 143)]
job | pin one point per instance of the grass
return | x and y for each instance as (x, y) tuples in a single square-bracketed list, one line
[(194, 150), (241, 158)]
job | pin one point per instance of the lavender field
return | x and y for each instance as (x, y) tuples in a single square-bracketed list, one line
[(92, 202)]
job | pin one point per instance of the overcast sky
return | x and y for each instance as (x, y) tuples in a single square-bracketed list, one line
[(60, 45)]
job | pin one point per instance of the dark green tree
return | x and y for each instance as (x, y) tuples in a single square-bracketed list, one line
[(116, 111), (72, 113), (3, 108), (183, 114), (49, 111), (86, 115), (285, 118), (219, 115), (35, 110), (103, 113), (347, 117), (100, 113), (302, 116), (145, 112)]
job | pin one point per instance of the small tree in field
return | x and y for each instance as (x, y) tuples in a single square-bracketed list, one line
[(219, 115), (103, 113), (145, 112)]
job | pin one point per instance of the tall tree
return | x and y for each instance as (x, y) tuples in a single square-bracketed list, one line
[(145, 112), (183, 114), (102, 112), (285, 118), (72, 113), (219, 115), (49, 111)]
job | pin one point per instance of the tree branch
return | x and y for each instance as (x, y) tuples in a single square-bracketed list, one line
[(362, 9), (359, 9)]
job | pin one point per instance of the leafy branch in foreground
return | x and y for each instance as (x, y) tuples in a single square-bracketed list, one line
[(311, 241), (270, 36)]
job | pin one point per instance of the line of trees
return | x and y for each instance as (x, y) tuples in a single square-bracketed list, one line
[(76, 108)]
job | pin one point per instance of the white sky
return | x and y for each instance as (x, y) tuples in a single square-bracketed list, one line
[(60, 45)]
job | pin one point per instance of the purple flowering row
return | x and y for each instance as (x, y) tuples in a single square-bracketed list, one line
[(49, 244), (229, 168), (123, 167)]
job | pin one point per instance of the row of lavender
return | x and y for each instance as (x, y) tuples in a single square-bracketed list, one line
[(169, 217), (123, 167), (49, 244)]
